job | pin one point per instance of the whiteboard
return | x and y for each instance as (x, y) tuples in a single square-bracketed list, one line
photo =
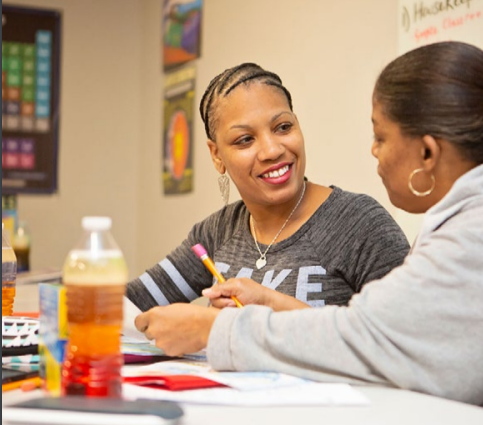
[(426, 22)]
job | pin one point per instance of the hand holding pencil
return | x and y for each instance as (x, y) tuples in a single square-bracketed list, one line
[(200, 251)]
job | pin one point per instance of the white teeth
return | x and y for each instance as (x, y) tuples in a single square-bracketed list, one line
[(276, 173)]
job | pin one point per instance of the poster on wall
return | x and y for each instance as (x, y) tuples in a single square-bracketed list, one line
[(181, 31), (178, 130), (430, 21), (30, 99)]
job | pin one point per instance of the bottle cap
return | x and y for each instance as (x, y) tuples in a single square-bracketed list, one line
[(96, 223)]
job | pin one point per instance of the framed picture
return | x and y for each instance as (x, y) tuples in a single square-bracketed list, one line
[(181, 31), (178, 130)]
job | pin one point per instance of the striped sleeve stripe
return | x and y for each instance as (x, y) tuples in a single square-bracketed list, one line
[(153, 289), (178, 280)]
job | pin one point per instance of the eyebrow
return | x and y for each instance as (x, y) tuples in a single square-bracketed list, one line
[(274, 118)]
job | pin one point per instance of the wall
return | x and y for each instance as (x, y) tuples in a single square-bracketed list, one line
[(99, 129), (327, 53)]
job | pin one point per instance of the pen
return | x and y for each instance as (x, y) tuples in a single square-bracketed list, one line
[(200, 251)]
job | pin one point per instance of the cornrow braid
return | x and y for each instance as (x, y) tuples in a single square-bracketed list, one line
[(227, 81)]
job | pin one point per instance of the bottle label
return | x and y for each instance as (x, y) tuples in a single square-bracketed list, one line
[(9, 272)]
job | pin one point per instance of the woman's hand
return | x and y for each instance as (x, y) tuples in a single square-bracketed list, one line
[(177, 328), (250, 292)]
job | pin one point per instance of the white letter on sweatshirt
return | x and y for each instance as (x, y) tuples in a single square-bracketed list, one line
[(304, 287)]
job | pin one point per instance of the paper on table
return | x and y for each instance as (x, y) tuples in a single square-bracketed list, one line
[(246, 388), (305, 394), (128, 328)]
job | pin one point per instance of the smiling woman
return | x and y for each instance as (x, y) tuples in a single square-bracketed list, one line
[(290, 242)]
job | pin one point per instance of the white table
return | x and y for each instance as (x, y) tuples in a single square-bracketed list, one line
[(388, 407)]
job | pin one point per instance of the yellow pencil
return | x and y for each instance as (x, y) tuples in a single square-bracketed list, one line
[(200, 251), (24, 384)]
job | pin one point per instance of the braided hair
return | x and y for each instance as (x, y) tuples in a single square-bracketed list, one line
[(228, 80)]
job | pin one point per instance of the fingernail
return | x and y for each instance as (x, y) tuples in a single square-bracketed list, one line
[(206, 291)]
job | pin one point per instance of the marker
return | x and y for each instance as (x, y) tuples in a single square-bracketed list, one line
[(200, 251)]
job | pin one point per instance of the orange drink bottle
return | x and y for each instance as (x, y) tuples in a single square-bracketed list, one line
[(9, 275), (95, 276)]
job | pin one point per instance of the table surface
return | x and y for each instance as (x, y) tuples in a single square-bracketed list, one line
[(388, 407)]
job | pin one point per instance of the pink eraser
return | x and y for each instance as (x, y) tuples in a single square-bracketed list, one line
[(199, 250)]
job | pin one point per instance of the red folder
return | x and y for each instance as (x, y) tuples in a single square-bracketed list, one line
[(172, 382)]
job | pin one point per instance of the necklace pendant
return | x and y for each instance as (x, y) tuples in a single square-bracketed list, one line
[(261, 262)]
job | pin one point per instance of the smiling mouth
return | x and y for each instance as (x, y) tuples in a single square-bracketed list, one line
[(276, 173)]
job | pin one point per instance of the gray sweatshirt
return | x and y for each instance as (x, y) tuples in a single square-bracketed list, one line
[(419, 328)]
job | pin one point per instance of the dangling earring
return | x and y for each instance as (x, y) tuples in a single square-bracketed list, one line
[(224, 183), (414, 191)]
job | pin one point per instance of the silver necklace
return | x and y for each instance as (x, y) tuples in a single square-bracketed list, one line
[(262, 261)]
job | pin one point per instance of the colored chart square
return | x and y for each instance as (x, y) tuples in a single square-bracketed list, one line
[(27, 162), (28, 94), (28, 80), (12, 145), (13, 79), (27, 146), (43, 66), (43, 52), (27, 109), (43, 80), (43, 37), (27, 123), (13, 93), (13, 108), (4, 63), (13, 49), (42, 110), (14, 64), (4, 48), (11, 122), (42, 124), (12, 160), (29, 65), (42, 96), (28, 51)]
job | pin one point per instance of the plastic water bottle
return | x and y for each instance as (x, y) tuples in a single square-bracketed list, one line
[(9, 275), (95, 276)]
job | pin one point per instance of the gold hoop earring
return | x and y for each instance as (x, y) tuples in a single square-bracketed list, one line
[(414, 191), (224, 184)]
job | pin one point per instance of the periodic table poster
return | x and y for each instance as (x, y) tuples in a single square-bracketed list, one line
[(30, 99)]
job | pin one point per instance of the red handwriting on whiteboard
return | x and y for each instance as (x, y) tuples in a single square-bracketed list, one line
[(456, 22), (425, 33)]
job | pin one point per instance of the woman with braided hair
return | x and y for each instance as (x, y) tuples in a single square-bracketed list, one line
[(290, 242)]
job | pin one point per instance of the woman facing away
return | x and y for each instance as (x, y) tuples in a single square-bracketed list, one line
[(306, 244), (421, 326)]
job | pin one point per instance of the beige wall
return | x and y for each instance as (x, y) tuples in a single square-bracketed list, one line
[(327, 53)]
